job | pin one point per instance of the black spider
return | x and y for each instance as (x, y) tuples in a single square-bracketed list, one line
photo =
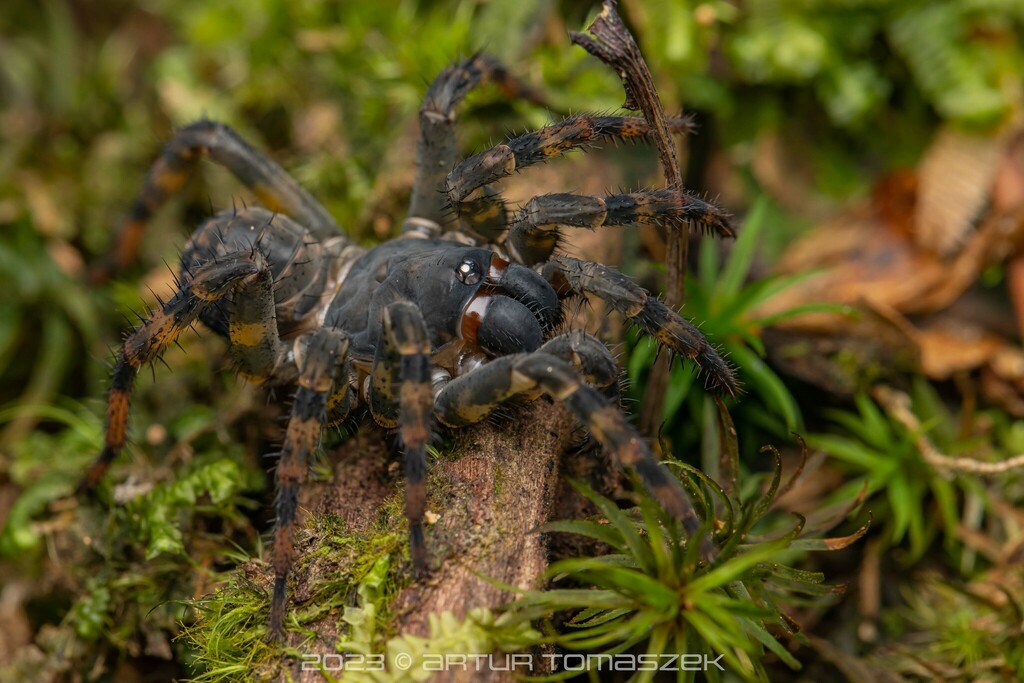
[(442, 324)]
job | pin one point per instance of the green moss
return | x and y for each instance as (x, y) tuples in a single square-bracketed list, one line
[(128, 558), (958, 632), (481, 632), (228, 637), (499, 481)]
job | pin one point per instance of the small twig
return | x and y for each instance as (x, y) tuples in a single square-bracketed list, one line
[(613, 45), (897, 404), (616, 48)]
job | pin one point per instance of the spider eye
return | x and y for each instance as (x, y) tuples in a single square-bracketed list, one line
[(469, 273)]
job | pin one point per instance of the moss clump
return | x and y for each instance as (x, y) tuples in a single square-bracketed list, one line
[(127, 559), (229, 635), (957, 631)]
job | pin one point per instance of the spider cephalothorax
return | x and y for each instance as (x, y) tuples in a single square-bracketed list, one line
[(439, 326)]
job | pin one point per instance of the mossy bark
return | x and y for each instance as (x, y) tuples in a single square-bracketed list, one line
[(490, 492)]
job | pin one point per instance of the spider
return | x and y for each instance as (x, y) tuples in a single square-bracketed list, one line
[(440, 326)]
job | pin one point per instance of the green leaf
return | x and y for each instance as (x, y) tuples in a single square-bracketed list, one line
[(637, 546), (768, 384), (629, 582), (761, 634), (602, 532), (732, 569), (734, 274)]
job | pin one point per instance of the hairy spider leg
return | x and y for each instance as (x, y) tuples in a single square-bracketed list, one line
[(571, 276), (533, 235), (320, 356), (472, 397), (587, 354), (277, 190), (580, 131), (246, 273), (436, 148), (407, 333), (485, 216), (401, 396), (385, 383)]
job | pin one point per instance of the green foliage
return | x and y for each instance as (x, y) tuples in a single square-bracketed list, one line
[(906, 492), (229, 635), (44, 481), (227, 640), (651, 593), (957, 55), (959, 632), (129, 558), (43, 314), (219, 481), (915, 500)]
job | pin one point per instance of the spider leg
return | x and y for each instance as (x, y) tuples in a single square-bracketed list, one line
[(572, 276), (588, 355), (320, 357), (401, 396), (277, 190), (245, 272), (472, 397), (533, 235), (435, 151), (579, 131), (486, 216), (385, 383), (407, 334)]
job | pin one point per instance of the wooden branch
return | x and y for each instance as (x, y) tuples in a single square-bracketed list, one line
[(499, 484)]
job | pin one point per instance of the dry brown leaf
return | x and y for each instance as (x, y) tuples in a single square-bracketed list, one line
[(955, 179), (949, 347), (863, 260)]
